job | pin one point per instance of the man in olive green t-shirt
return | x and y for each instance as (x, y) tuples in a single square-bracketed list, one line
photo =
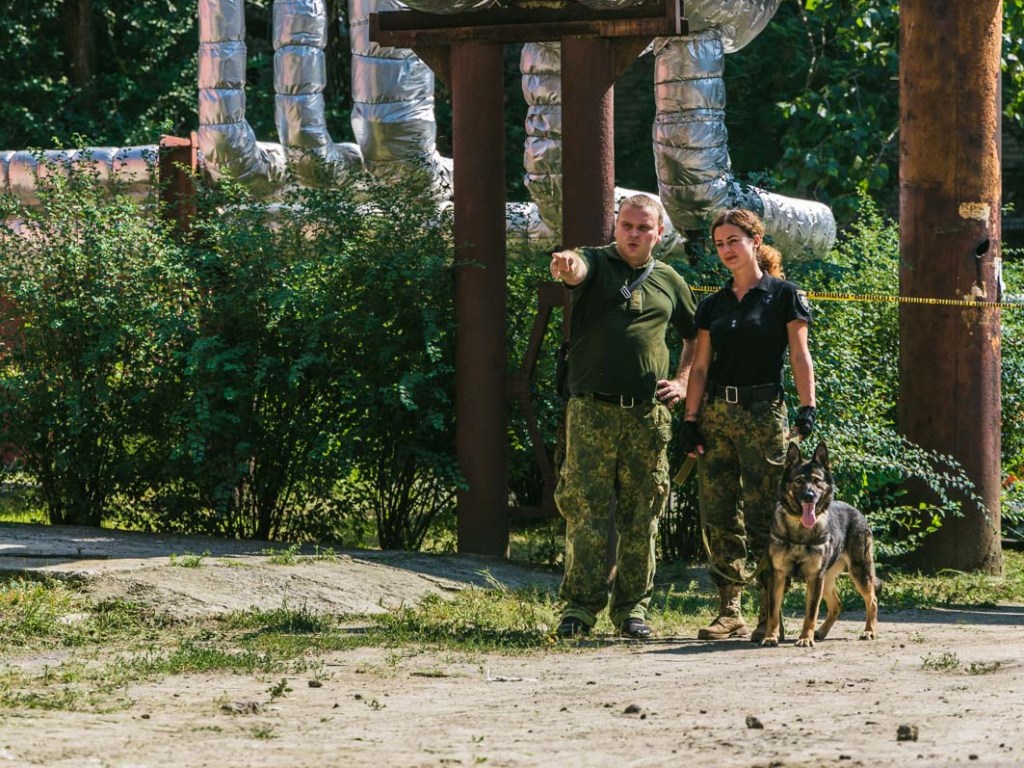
[(617, 423)]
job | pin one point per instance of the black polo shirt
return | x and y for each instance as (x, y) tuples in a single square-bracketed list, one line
[(618, 346), (749, 337)]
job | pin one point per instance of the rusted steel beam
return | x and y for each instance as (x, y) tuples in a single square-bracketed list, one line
[(570, 12), (525, 33), (949, 248), (414, 29), (478, 141)]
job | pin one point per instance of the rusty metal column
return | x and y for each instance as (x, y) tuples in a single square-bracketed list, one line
[(478, 141), (588, 163), (950, 232), (177, 166), (588, 141)]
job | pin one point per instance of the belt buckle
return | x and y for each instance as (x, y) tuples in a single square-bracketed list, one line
[(732, 395), (623, 399)]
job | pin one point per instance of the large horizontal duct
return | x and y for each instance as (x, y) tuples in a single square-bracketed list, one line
[(129, 169)]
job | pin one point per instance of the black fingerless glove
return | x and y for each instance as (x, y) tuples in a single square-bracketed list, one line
[(690, 437), (805, 420)]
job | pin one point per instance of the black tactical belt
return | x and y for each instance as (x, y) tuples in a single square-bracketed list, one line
[(745, 395), (623, 401)]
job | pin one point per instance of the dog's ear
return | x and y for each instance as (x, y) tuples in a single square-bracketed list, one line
[(821, 456), (793, 457)]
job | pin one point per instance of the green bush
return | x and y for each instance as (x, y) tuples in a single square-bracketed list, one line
[(319, 377), (96, 305)]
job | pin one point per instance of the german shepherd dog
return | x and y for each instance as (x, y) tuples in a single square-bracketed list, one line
[(818, 538)]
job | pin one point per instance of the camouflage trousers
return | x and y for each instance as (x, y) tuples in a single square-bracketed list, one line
[(613, 455), (739, 473)]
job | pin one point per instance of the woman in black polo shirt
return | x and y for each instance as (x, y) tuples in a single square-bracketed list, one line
[(736, 421)]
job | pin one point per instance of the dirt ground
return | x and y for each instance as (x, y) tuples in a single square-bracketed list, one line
[(670, 701)]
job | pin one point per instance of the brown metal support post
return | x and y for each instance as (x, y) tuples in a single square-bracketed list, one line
[(478, 141), (588, 159), (176, 166), (588, 141), (950, 232)]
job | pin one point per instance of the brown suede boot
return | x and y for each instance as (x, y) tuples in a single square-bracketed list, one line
[(729, 622)]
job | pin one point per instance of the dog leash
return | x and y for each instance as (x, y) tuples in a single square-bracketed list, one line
[(691, 462)]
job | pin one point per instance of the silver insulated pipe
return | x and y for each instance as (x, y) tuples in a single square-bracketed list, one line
[(393, 117), (130, 169), (450, 6), (695, 179), (393, 104), (300, 76), (226, 140)]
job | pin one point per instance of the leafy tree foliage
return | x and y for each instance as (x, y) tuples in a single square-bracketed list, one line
[(143, 81), (96, 308)]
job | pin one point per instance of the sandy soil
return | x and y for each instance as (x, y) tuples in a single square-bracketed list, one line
[(670, 701)]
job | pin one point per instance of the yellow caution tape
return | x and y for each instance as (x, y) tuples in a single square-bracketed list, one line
[(886, 297)]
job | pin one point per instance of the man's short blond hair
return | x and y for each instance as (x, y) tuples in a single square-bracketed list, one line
[(644, 203)]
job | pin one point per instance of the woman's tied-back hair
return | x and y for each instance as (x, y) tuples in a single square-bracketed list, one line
[(768, 258), (644, 203)]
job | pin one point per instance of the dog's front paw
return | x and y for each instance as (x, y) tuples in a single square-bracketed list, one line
[(805, 642), (770, 642), (868, 634)]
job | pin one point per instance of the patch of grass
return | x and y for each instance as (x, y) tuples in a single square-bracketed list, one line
[(280, 620), (952, 588), (950, 662), (189, 560), (292, 555), (287, 556), (944, 662), (981, 668), (279, 689), (118, 644), (678, 609), (476, 619), (48, 614)]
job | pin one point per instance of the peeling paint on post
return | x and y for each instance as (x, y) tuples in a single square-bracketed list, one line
[(950, 233)]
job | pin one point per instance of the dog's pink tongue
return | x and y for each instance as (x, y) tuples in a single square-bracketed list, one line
[(808, 516)]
